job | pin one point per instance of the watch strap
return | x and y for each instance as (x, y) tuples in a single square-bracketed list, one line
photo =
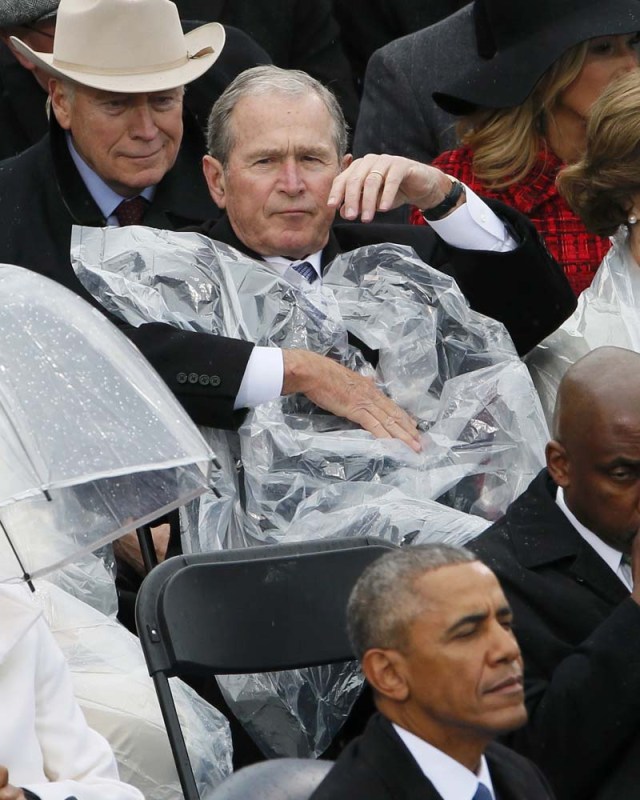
[(449, 202)]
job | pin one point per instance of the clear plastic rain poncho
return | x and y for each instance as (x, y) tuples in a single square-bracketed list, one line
[(607, 314), (293, 471)]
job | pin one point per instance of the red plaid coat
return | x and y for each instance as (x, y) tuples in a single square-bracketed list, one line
[(578, 251)]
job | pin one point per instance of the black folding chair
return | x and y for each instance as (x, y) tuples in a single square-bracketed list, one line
[(257, 609)]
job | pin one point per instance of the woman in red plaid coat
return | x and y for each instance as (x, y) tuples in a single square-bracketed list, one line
[(523, 109)]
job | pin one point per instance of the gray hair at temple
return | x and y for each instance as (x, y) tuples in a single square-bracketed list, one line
[(267, 80), (383, 602)]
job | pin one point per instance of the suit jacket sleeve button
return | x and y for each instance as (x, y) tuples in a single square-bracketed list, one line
[(193, 377), (181, 377), (214, 380), (203, 380)]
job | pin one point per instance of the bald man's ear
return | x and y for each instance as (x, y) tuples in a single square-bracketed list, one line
[(557, 462), (346, 160), (214, 176), (384, 671)]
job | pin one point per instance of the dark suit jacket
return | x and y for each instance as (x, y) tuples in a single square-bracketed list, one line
[(580, 637), (524, 289), (378, 766), (367, 25), (397, 113), (23, 120), (42, 196)]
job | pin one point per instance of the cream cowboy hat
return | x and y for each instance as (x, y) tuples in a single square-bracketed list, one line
[(126, 46)]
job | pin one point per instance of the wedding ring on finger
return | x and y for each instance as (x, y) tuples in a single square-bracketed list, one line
[(376, 172)]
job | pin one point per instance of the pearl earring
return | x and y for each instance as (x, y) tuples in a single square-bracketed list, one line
[(632, 219)]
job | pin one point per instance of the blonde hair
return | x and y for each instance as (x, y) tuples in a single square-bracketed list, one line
[(600, 187), (506, 141)]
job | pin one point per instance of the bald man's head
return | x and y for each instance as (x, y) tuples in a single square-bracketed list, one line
[(595, 453)]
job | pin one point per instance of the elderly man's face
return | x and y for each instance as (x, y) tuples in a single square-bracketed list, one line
[(130, 140), (276, 184), (462, 665)]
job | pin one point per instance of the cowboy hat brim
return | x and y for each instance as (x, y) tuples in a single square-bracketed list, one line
[(203, 47), (507, 79)]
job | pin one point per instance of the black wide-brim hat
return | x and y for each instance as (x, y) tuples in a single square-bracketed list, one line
[(518, 40)]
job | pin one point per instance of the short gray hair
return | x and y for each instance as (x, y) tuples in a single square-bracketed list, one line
[(266, 80), (383, 602)]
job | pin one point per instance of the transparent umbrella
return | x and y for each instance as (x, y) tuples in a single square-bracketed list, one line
[(92, 442)]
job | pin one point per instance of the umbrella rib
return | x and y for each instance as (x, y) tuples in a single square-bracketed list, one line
[(25, 574)]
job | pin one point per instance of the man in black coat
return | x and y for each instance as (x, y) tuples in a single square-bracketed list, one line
[(561, 553), (24, 88), (277, 147), (432, 630)]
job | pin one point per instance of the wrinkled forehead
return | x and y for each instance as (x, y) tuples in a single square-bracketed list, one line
[(453, 591), (273, 117)]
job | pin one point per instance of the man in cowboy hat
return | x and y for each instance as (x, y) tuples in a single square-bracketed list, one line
[(117, 70), (24, 86), (433, 633)]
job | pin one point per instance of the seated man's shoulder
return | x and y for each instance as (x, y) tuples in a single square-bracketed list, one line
[(520, 776)]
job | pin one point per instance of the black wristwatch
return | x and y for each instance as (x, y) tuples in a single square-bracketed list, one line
[(449, 202)]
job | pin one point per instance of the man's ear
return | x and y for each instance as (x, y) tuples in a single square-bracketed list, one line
[(557, 462), (61, 103), (384, 671), (346, 160), (214, 176)]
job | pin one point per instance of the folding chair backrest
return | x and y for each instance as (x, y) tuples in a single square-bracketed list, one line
[(257, 609)]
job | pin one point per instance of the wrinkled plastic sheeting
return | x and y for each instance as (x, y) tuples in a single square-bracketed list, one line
[(294, 713), (293, 471), (118, 698), (607, 314)]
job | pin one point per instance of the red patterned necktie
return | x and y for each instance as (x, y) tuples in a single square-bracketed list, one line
[(131, 212)]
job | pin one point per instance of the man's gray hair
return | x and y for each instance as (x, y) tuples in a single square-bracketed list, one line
[(383, 602), (266, 80)]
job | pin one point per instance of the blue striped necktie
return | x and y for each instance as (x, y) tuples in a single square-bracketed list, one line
[(482, 793), (307, 271)]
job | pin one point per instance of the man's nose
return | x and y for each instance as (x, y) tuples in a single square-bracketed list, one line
[(504, 648), (291, 178), (142, 123)]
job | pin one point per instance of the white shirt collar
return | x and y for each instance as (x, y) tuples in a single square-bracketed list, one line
[(282, 264), (608, 554), (105, 198), (449, 777)]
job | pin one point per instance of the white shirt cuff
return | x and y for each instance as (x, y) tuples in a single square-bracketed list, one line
[(474, 226), (263, 377)]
